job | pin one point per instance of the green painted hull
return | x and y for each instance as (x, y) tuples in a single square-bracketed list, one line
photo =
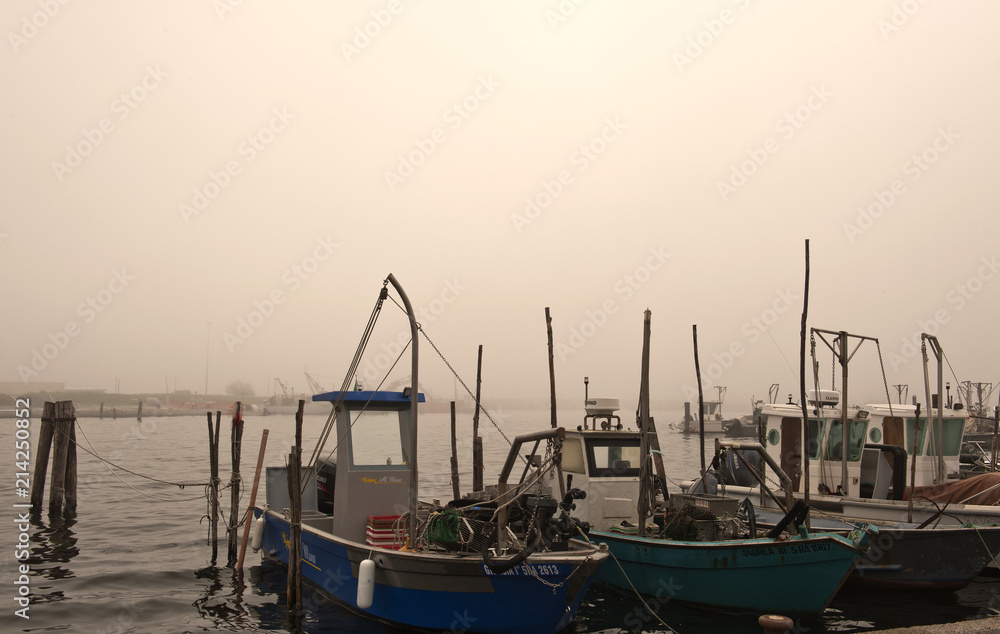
[(796, 576)]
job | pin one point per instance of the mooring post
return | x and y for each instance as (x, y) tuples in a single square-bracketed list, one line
[(213, 462), (138, 413), (237, 438), (64, 415), (71, 478), (477, 442), (455, 488), (42, 457), (253, 500), (101, 415), (295, 522)]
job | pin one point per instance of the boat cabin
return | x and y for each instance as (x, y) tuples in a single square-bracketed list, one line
[(880, 441), (603, 459), (372, 473)]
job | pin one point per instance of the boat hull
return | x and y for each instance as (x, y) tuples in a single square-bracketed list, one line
[(796, 576), (439, 591)]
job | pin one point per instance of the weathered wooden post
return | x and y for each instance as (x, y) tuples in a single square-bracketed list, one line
[(552, 399), (455, 488), (237, 438), (253, 500), (101, 415), (138, 413), (64, 417), (477, 442), (295, 522), (213, 459), (42, 457), (701, 400), (71, 478)]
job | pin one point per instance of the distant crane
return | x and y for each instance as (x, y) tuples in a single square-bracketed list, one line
[(313, 385)]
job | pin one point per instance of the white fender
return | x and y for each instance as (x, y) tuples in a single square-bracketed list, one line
[(257, 533), (366, 584)]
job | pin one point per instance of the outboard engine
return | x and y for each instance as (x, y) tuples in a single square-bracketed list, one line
[(326, 480)]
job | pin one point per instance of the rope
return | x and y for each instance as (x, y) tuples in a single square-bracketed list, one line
[(455, 374), (637, 594), (110, 464)]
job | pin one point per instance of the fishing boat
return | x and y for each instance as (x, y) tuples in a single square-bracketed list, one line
[(908, 556), (852, 465), (501, 562), (693, 551)]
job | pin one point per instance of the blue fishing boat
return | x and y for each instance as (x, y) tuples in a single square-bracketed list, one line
[(695, 549), (500, 563)]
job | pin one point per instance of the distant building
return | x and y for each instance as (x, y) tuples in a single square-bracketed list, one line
[(14, 388)]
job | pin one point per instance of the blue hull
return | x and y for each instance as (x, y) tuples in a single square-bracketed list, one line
[(443, 591), (797, 576)]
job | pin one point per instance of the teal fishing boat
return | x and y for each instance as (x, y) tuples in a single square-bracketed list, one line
[(693, 549)]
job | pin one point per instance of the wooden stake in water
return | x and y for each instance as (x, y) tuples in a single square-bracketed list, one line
[(477, 442), (701, 400), (455, 489), (213, 459), (295, 522), (42, 457), (237, 439), (64, 417), (71, 479), (253, 500)]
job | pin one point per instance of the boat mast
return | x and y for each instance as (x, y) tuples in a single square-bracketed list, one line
[(412, 524), (939, 472), (645, 472)]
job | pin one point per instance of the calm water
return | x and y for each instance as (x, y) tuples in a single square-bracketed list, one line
[(138, 561)]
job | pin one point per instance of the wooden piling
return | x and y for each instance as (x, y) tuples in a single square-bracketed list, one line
[(71, 479), (237, 444), (253, 500), (64, 416), (295, 522), (701, 400), (138, 413), (552, 400), (477, 442), (101, 415), (42, 457), (455, 488), (213, 459)]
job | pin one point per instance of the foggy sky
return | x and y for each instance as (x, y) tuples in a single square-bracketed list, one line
[(225, 185)]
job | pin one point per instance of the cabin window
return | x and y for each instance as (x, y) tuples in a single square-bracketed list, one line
[(613, 457), (920, 436), (572, 455), (875, 435), (816, 428), (378, 439), (773, 436), (855, 440), (952, 430)]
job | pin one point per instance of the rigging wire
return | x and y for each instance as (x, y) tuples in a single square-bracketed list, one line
[(455, 374)]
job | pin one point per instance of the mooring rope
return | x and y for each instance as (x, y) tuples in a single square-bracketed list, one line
[(109, 464)]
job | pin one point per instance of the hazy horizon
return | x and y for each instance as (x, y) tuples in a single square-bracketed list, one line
[(215, 191)]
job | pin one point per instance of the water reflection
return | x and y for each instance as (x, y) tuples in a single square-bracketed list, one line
[(52, 544)]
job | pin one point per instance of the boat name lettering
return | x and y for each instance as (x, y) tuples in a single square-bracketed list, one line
[(524, 570), (383, 480)]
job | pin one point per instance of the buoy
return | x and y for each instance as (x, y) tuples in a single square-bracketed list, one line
[(257, 538), (366, 584)]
